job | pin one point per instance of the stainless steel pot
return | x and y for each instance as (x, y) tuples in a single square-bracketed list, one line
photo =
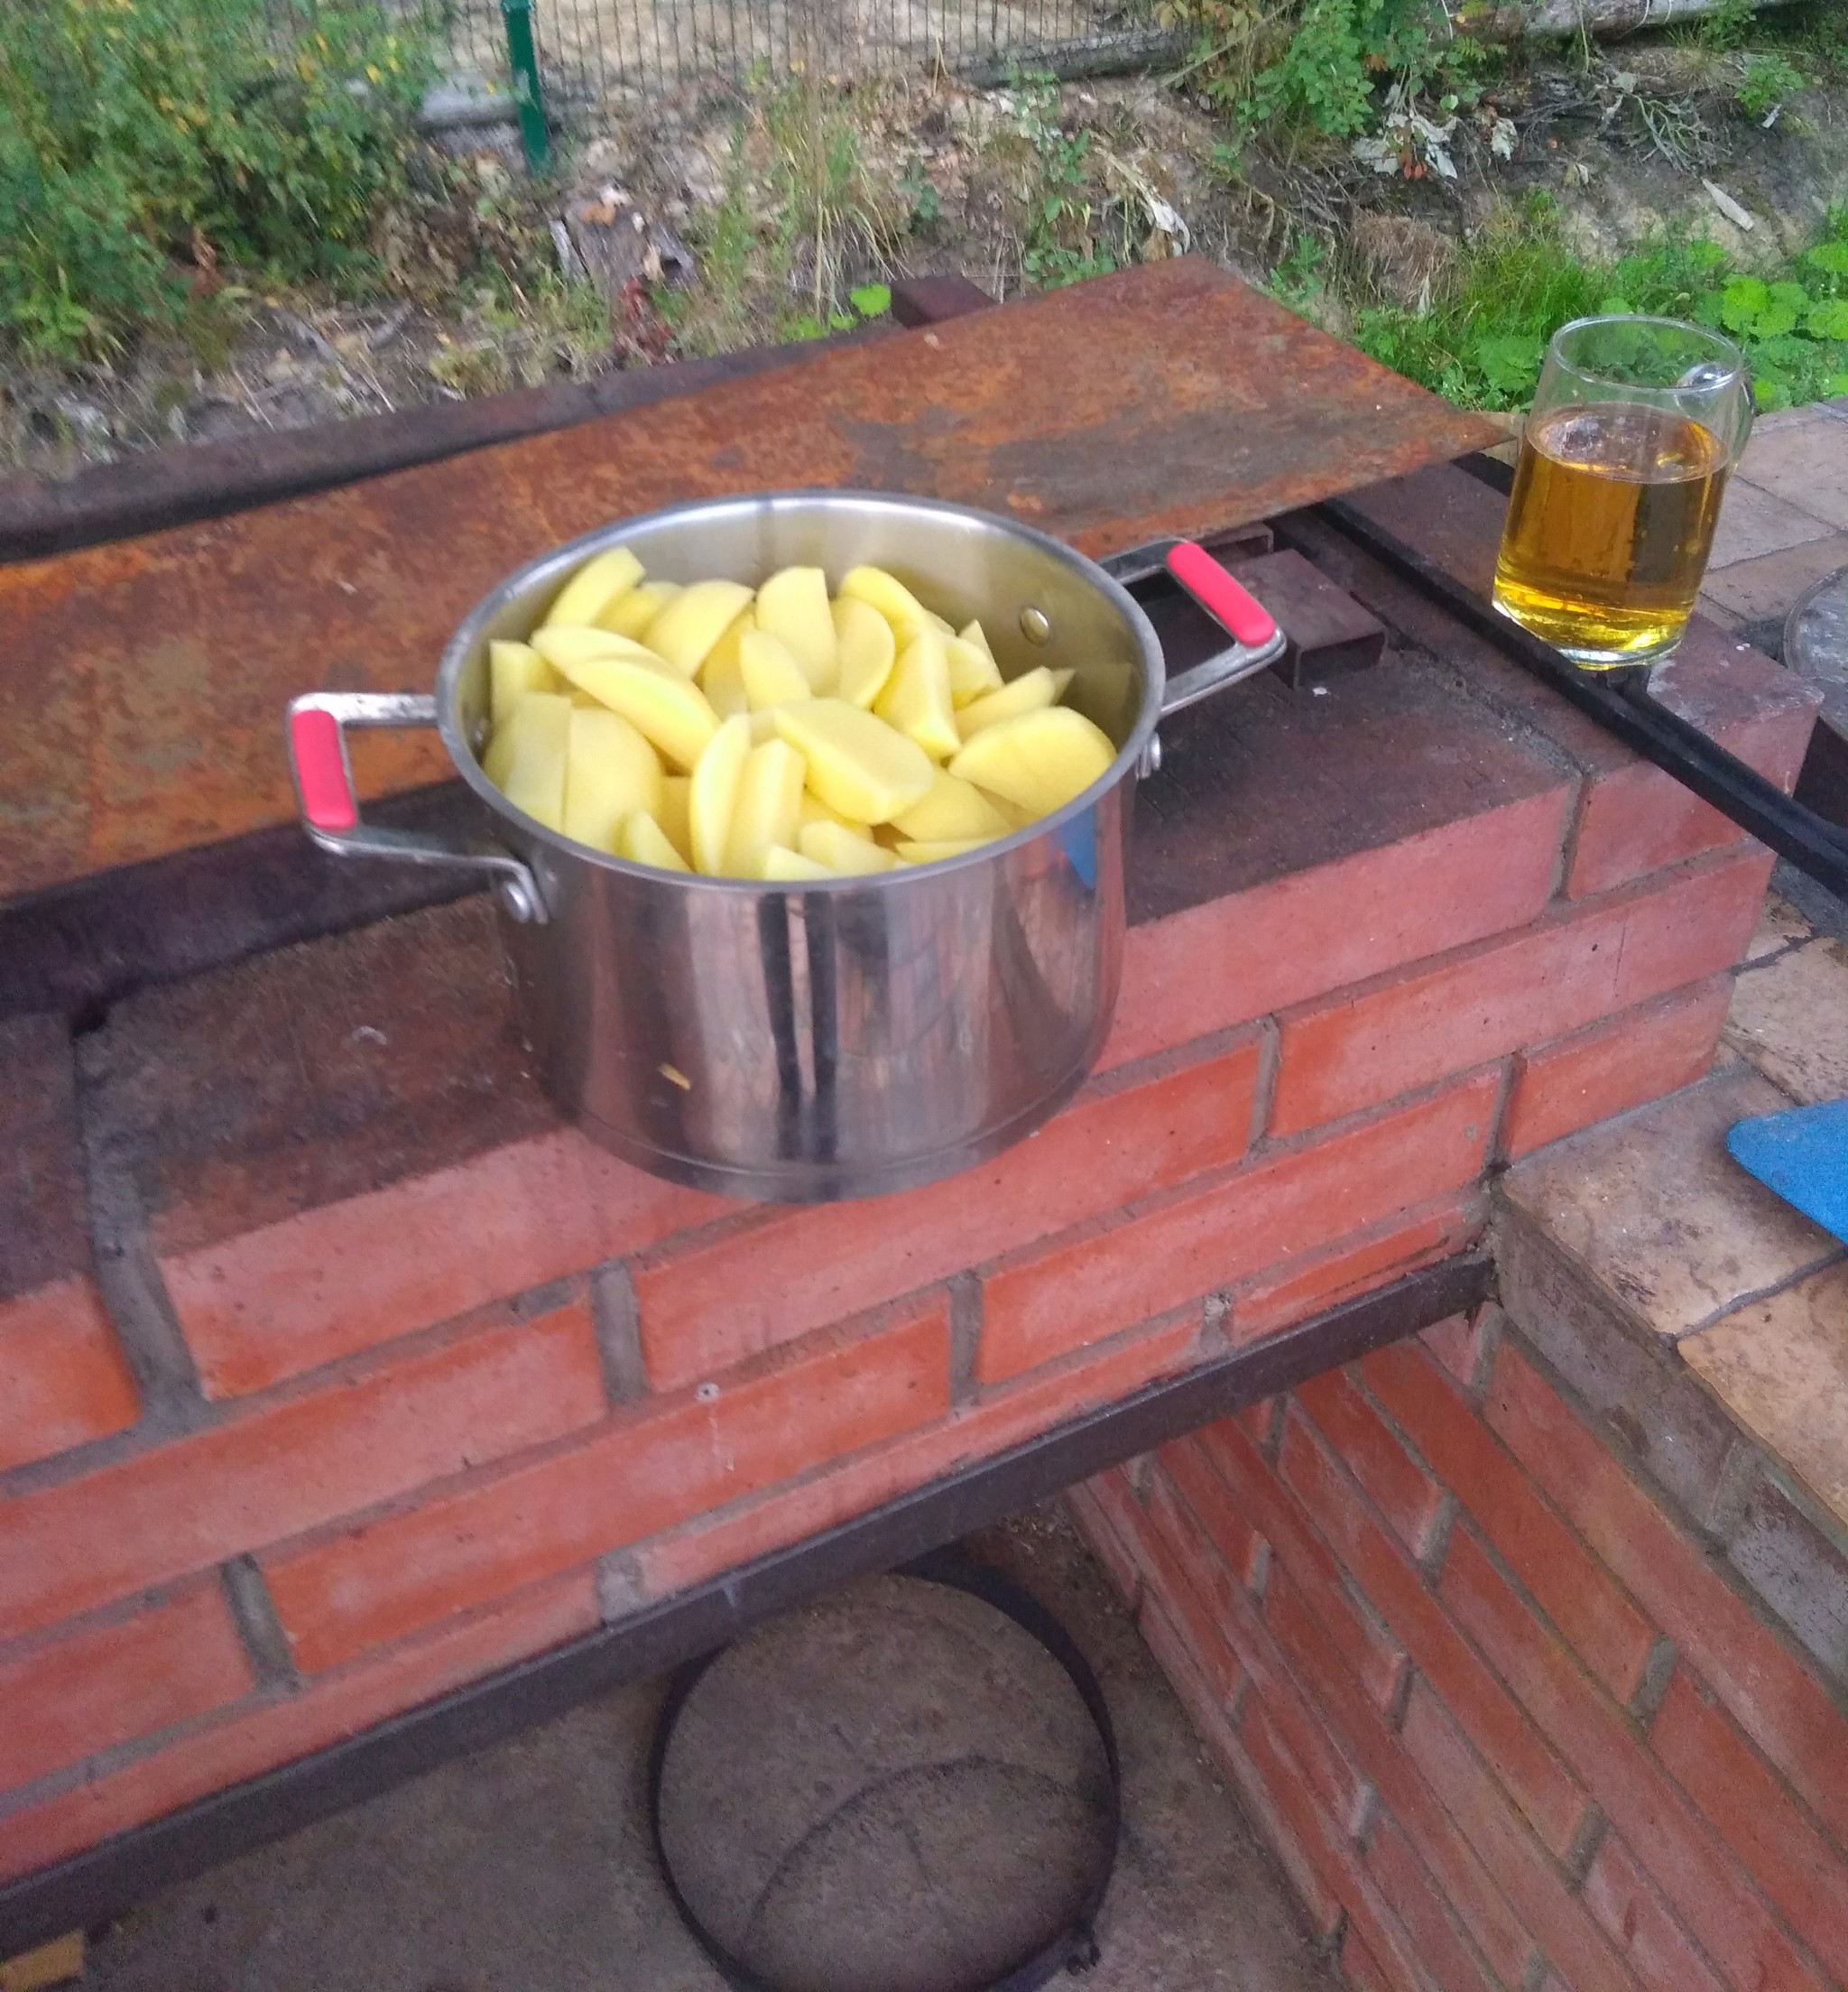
[(839, 1039)]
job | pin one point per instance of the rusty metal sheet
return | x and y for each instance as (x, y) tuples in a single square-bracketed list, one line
[(142, 685)]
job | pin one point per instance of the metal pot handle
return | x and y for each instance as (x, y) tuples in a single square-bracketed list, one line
[(323, 777)]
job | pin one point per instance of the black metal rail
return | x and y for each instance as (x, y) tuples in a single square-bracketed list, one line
[(1619, 702)]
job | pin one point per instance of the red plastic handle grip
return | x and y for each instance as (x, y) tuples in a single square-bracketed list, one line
[(320, 769), (1219, 595)]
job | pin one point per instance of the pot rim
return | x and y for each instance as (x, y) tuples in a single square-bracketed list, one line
[(560, 560)]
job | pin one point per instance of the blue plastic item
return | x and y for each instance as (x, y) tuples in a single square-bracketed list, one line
[(1802, 1153)]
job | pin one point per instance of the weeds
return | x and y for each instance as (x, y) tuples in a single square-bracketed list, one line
[(1767, 81)]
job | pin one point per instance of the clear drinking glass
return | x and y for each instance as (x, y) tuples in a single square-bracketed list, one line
[(1635, 424)]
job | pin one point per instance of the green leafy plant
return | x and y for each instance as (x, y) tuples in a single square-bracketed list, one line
[(1725, 24), (1767, 81), (1062, 239), (137, 132)]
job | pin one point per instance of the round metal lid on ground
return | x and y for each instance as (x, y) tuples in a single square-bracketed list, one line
[(912, 1786)]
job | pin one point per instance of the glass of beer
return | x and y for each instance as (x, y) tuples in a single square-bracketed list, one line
[(1635, 424)]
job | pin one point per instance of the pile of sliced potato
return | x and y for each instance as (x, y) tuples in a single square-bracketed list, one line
[(776, 733)]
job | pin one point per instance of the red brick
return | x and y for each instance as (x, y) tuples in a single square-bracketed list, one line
[(1460, 1345), (286, 1724), (63, 1379), (1375, 1657), (1297, 938), (1197, 1240), (1521, 1755), (1402, 1491), (271, 1471), (1642, 1926), (1637, 819), (1770, 1694), (1713, 1898), (690, 1555), (273, 1301), (771, 1277), (1615, 1065), (1184, 1575), (1262, 1423), (1400, 1878), (1358, 1966), (1239, 1544), (1332, 1854), (1593, 1613), (1387, 1251), (1500, 1841), (1092, 1517), (1753, 1813), (655, 1465), (98, 1685), (1493, 999)]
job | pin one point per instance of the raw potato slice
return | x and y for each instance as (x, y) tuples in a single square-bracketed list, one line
[(525, 760), (781, 862), (930, 853), (715, 794), (594, 589), (1027, 693), (610, 773), (565, 648), (865, 648), (695, 620), (815, 811), (857, 765), (972, 672), (916, 698), (793, 607), (892, 599), (513, 670), (663, 706), (1040, 760), (675, 792), (953, 810), (720, 678), (841, 851), (771, 673), (629, 614), (642, 841), (770, 797), (971, 632)]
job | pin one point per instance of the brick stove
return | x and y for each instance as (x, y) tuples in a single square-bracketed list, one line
[(357, 1409)]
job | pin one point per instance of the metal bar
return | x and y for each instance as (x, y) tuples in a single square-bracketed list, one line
[(528, 94), (96, 1885), (1624, 708)]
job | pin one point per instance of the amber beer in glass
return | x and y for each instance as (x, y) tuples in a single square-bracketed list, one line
[(1635, 424)]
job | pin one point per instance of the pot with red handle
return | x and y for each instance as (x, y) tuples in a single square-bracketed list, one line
[(835, 1038)]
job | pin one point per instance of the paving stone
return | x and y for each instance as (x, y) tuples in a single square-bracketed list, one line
[(1802, 464), (1781, 1366), (1779, 925), (1790, 1019), (1750, 590), (1661, 1216), (1754, 521)]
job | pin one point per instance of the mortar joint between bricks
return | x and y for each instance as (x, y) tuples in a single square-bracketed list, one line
[(1264, 1080), (615, 1322), (1652, 1684), (1579, 1858), (254, 1612), (965, 1336)]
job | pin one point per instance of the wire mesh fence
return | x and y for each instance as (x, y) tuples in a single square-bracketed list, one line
[(590, 50)]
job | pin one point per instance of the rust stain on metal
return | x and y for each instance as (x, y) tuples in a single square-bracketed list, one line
[(143, 685)]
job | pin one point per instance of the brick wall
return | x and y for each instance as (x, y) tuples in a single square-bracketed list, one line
[(336, 1372), (1504, 1719)]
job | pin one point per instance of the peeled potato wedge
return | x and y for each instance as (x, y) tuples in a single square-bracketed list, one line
[(793, 606), (721, 677), (685, 630), (1031, 690), (629, 614), (594, 589), (676, 794), (815, 811), (642, 841), (916, 698), (580, 644), (1039, 760), (771, 673), (611, 772), (513, 670), (972, 672), (865, 651), (770, 798), (525, 760), (663, 707), (714, 796), (910, 853), (780, 862), (892, 599), (857, 765), (841, 851), (951, 810)]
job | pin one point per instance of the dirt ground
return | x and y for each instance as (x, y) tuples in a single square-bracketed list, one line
[(477, 298)]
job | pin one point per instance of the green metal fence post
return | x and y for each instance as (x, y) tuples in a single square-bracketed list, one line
[(527, 93)]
